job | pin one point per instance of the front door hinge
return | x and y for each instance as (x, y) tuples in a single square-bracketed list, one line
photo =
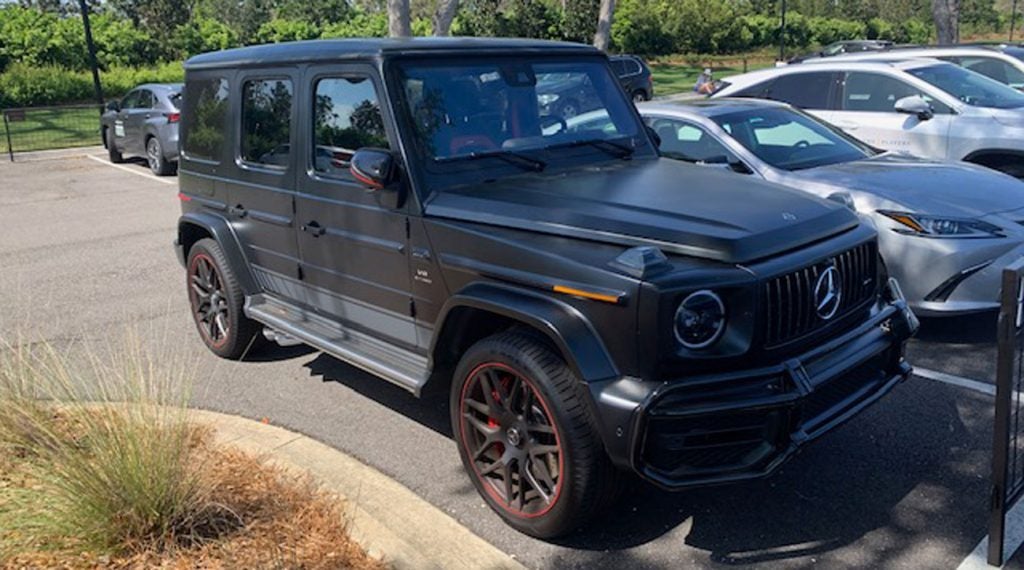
[(299, 273), (408, 229), (412, 308)]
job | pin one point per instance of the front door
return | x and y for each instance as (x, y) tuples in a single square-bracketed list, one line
[(261, 189), (355, 258), (867, 112)]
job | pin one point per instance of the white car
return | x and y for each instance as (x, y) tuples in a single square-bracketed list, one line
[(991, 63), (923, 107)]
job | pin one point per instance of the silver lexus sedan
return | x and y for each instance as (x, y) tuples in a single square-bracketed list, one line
[(946, 229)]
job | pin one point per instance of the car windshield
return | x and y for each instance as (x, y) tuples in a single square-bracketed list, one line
[(490, 109), (970, 87), (791, 140)]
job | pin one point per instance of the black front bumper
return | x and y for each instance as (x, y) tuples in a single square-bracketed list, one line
[(742, 425)]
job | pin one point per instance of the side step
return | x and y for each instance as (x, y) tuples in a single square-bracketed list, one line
[(394, 364)]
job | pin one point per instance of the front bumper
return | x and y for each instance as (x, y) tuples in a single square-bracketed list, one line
[(742, 425)]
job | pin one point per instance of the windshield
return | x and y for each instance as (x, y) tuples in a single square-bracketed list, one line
[(489, 109), (971, 88), (791, 140)]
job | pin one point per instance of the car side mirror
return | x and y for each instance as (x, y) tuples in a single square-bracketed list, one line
[(113, 106), (915, 105), (374, 167)]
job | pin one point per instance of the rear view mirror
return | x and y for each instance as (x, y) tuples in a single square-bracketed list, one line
[(374, 167), (915, 105)]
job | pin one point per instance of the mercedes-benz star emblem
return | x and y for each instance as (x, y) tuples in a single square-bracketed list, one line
[(827, 295)]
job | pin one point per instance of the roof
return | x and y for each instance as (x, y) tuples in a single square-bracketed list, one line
[(332, 50), (836, 63), (710, 107)]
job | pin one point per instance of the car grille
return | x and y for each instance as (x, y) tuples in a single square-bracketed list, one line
[(789, 300)]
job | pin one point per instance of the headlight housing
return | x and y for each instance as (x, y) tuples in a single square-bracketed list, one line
[(700, 320), (547, 99), (942, 226)]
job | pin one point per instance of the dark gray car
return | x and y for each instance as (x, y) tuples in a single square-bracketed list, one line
[(145, 123)]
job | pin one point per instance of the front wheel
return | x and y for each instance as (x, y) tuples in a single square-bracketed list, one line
[(527, 437), (112, 152)]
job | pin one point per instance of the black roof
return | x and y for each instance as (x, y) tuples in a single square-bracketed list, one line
[(332, 50)]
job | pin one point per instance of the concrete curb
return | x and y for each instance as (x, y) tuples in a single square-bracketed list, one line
[(60, 153), (388, 519)]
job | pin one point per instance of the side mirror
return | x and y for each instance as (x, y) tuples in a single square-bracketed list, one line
[(915, 105), (113, 106), (374, 167)]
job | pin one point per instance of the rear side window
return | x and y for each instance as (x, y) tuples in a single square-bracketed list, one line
[(619, 67), (204, 118), (347, 117), (266, 122), (877, 93), (803, 90)]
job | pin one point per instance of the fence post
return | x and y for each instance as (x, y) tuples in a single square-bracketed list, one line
[(7, 130), (1000, 499)]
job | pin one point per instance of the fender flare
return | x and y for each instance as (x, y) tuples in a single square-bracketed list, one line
[(564, 325), (220, 231), (974, 155)]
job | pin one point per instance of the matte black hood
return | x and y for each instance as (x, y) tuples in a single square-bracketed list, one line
[(681, 208)]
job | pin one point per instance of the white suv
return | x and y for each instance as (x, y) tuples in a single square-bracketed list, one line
[(924, 107), (991, 63)]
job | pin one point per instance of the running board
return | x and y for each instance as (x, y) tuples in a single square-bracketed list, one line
[(397, 365)]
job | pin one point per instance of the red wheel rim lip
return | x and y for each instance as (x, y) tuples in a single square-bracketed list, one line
[(558, 442), (192, 266)]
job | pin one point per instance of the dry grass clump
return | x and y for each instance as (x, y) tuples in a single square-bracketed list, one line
[(132, 483)]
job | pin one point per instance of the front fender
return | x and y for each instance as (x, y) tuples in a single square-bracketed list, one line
[(193, 226), (564, 325)]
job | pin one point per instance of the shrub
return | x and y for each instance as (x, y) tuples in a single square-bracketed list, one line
[(829, 30), (360, 25), (25, 85), (279, 30), (202, 35)]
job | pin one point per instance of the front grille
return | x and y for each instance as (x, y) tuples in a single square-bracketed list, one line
[(791, 310)]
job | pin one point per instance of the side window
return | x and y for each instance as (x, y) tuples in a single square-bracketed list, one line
[(756, 91), (204, 118), (619, 67), (347, 117), (803, 90), (131, 100), (995, 69), (685, 141), (266, 122), (877, 93), (633, 67), (145, 99)]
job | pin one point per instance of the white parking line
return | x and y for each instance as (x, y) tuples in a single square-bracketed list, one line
[(1013, 537), (131, 170), (975, 385)]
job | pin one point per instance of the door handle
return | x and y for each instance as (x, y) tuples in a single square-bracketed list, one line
[(238, 210), (314, 228)]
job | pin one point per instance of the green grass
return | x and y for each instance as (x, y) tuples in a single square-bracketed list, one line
[(44, 129), (672, 77)]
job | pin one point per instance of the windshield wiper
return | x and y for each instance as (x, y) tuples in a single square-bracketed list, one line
[(616, 149), (511, 157)]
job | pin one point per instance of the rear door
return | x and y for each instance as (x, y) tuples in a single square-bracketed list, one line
[(135, 120), (261, 184), (814, 92), (867, 112), (128, 104), (355, 257)]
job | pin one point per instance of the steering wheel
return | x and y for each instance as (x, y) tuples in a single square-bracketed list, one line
[(802, 145)]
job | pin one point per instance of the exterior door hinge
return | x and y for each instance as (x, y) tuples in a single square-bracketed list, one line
[(299, 273), (408, 229), (412, 308)]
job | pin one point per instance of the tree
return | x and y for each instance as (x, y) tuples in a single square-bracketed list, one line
[(399, 24), (443, 17), (602, 38), (946, 14)]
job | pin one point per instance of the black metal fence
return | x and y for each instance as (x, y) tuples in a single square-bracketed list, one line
[(43, 128), (1008, 438)]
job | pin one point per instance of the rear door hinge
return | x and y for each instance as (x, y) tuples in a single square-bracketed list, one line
[(299, 273), (408, 229), (412, 308)]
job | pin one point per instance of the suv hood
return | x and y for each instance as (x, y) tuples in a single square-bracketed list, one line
[(677, 207), (925, 186)]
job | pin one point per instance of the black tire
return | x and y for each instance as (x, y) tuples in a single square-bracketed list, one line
[(521, 429), (639, 96), (232, 335), (112, 152), (155, 157), (568, 109)]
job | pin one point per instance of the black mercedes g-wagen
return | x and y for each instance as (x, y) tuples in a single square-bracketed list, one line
[(405, 206)]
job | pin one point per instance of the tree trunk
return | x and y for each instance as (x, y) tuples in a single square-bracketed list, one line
[(399, 25), (946, 14), (443, 17), (603, 37)]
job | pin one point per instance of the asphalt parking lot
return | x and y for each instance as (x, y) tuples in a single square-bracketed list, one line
[(85, 251)]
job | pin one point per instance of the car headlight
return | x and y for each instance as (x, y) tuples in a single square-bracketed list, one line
[(546, 99), (700, 320), (942, 227)]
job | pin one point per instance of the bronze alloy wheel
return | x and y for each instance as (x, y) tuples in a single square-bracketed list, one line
[(209, 300), (515, 447)]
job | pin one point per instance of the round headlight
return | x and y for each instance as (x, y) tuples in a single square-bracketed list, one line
[(700, 319)]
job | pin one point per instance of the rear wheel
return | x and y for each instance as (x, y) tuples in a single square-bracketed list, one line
[(155, 158), (112, 152), (527, 437), (639, 96), (216, 299)]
